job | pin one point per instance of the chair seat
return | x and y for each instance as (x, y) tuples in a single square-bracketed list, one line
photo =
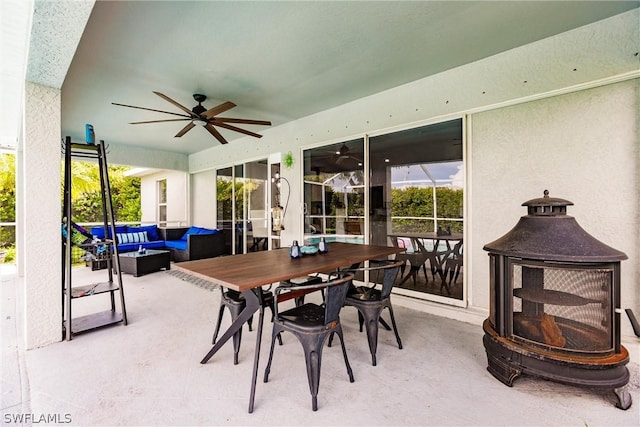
[(363, 293), (304, 316)]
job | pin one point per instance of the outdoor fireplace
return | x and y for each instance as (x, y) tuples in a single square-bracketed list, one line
[(555, 303)]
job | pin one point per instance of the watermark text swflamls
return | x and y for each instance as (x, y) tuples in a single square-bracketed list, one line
[(55, 418)]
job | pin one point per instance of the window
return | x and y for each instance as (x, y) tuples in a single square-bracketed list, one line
[(162, 202)]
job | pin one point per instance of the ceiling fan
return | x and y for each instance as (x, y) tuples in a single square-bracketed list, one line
[(343, 154), (199, 115)]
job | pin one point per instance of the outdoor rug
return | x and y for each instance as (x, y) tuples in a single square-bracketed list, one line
[(201, 283)]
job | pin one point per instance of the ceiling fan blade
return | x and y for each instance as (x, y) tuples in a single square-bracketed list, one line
[(151, 109), (160, 121), (215, 133), (212, 112), (185, 129), (182, 107), (237, 129), (244, 121)]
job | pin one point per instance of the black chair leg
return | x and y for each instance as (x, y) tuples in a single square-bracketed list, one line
[(312, 346), (235, 311), (384, 324), (273, 313), (313, 357), (314, 363), (217, 330), (344, 353), (237, 339), (395, 328), (371, 323), (276, 333)]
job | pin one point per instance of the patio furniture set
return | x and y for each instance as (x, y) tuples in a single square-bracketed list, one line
[(313, 324), (147, 249)]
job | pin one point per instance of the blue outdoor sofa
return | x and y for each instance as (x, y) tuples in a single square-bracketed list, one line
[(185, 243)]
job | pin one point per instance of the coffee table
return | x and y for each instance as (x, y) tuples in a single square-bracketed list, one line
[(149, 262)]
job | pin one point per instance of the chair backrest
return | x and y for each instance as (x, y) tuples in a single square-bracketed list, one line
[(387, 269), (457, 249), (389, 277), (335, 294)]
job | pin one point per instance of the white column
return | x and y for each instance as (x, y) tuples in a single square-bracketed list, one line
[(41, 216)]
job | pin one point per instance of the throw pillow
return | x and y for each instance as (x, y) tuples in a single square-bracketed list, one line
[(136, 237), (152, 231)]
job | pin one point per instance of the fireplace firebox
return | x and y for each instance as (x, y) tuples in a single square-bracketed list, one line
[(555, 303)]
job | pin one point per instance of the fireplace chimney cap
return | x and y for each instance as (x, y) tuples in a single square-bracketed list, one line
[(547, 206), (547, 233)]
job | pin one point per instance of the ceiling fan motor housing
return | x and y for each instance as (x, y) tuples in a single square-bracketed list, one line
[(199, 97), (199, 109)]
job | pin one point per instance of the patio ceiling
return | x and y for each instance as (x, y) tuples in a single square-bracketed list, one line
[(277, 61)]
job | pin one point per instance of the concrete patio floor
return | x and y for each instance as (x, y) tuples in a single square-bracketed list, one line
[(148, 373)]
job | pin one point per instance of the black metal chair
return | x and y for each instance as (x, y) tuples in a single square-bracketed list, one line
[(371, 301), (453, 264), (417, 260), (235, 302), (312, 324)]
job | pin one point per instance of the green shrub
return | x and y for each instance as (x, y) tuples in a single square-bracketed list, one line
[(10, 255)]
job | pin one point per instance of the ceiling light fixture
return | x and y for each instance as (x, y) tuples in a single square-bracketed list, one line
[(200, 122)]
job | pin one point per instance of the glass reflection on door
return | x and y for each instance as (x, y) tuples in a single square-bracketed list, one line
[(224, 205), (334, 193), (241, 206), (256, 207)]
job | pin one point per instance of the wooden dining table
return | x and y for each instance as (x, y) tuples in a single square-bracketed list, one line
[(247, 273)]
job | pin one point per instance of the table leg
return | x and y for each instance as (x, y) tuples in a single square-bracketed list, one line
[(257, 296), (253, 304)]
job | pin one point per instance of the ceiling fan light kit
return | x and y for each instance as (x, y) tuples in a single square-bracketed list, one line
[(199, 115)]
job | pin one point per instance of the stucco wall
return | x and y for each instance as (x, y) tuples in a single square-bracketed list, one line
[(144, 157), (582, 147), (177, 197), (203, 199), (39, 223)]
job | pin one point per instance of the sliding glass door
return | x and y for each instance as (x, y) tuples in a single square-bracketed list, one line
[(225, 194), (416, 202), (255, 206), (334, 192), (242, 208)]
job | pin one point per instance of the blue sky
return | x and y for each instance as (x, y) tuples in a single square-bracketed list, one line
[(445, 173)]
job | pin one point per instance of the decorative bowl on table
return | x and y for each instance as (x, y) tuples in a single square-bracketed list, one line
[(309, 250)]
